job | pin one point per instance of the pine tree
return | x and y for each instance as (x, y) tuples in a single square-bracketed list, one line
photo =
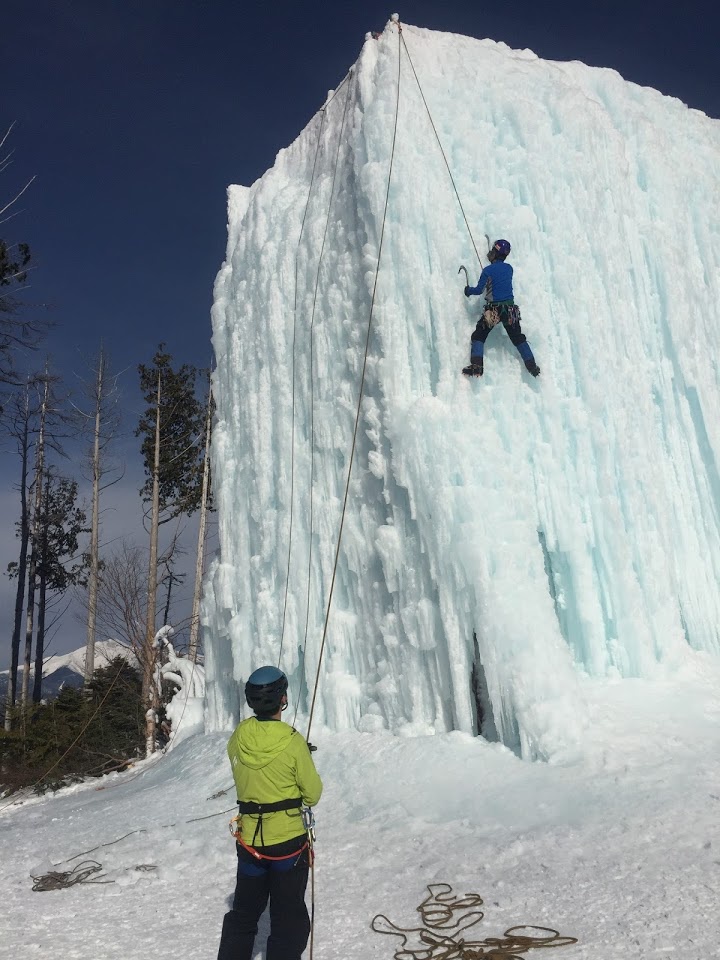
[(205, 505), (80, 733), (60, 566), (170, 427)]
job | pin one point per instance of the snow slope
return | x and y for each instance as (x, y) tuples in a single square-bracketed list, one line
[(571, 524), (620, 851)]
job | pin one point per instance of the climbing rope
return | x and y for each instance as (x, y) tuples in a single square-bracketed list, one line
[(294, 379), (57, 880), (437, 913), (437, 137), (312, 382), (360, 396)]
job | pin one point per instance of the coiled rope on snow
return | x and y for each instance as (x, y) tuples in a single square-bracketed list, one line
[(437, 913), (58, 880)]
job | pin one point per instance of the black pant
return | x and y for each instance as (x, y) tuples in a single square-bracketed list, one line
[(508, 315), (284, 883)]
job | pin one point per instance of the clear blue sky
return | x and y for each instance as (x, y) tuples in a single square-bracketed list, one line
[(136, 114)]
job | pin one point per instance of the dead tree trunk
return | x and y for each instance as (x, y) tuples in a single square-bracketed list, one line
[(34, 531), (95, 526), (23, 438), (149, 689), (200, 558)]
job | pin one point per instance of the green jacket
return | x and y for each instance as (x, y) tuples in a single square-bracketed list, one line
[(271, 761)]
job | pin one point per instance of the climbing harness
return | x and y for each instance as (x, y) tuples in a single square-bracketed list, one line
[(436, 912), (258, 809), (249, 807)]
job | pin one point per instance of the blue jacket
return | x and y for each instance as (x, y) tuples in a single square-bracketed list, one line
[(497, 277)]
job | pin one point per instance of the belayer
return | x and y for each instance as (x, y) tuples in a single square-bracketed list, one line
[(275, 776), (500, 307)]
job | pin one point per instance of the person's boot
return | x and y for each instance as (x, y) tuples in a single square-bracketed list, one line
[(475, 368), (532, 367)]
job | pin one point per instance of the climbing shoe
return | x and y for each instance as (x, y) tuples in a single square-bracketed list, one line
[(532, 368), (475, 369)]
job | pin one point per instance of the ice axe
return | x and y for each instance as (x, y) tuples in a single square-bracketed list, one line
[(463, 269)]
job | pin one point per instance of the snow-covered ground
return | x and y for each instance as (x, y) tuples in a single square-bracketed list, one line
[(621, 850)]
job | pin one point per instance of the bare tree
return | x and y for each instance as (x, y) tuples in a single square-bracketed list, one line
[(16, 332), (102, 418), (120, 601), (169, 578), (34, 531), (19, 424)]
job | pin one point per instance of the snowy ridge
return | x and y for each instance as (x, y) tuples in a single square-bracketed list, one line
[(570, 525), (105, 651)]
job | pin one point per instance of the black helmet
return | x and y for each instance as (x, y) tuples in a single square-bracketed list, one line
[(265, 689)]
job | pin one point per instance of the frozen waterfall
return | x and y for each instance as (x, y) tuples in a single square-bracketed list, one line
[(506, 540)]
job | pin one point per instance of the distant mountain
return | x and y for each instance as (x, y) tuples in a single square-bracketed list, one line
[(68, 669)]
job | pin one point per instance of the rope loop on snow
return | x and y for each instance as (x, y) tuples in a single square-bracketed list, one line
[(437, 911), (58, 880)]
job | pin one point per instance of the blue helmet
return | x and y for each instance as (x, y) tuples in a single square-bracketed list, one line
[(500, 249), (265, 689)]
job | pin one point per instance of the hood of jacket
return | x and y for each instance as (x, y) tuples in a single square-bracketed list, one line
[(258, 742)]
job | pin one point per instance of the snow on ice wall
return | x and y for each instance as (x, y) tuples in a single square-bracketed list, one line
[(505, 538)]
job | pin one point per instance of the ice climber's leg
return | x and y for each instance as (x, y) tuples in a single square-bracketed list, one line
[(241, 923), (289, 920), (510, 317), (477, 340)]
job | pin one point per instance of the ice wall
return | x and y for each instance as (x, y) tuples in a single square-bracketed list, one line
[(505, 538)]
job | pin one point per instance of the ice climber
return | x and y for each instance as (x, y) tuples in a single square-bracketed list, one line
[(500, 307), (275, 776)]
